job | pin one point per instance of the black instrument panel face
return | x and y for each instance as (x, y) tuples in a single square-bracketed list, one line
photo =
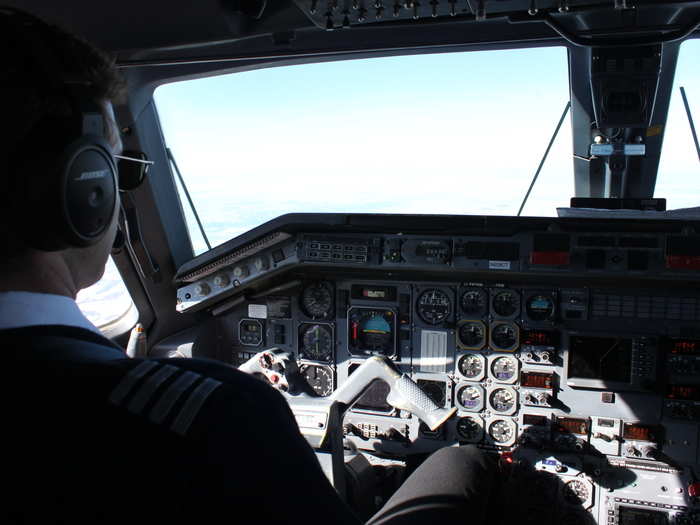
[(573, 374)]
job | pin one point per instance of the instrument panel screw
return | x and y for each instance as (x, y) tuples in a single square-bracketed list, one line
[(532, 11)]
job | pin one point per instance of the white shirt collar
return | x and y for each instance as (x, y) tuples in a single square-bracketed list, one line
[(20, 309)]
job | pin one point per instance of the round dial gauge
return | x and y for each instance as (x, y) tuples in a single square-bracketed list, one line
[(504, 336), (434, 306), (506, 303), (576, 492), (540, 307), (502, 400), (504, 368), (319, 378), (471, 334), (469, 429), (474, 302), (471, 366), (501, 431), (316, 342), (470, 397), (317, 300)]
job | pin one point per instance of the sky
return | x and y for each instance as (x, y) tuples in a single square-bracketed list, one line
[(451, 133), (455, 133)]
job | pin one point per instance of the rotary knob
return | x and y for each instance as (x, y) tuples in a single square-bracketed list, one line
[(222, 280), (240, 272), (261, 263), (543, 398), (202, 289)]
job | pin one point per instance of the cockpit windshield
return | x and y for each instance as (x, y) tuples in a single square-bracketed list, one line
[(450, 133), (439, 133)]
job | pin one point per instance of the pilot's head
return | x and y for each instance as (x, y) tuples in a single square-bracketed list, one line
[(58, 195)]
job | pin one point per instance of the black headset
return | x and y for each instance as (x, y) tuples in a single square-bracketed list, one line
[(64, 194)]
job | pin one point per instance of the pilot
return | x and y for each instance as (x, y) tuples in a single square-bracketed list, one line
[(91, 436)]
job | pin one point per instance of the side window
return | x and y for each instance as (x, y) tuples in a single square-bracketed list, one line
[(107, 303)]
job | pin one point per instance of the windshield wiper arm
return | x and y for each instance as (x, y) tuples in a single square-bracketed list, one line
[(544, 157), (187, 194), (690, 121)]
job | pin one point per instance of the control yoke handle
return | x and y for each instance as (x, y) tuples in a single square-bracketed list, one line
[(280, 370)]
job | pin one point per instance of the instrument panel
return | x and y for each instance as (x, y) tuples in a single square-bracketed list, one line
[(587, 374)]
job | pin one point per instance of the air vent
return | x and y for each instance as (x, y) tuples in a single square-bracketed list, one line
[(235, 256)]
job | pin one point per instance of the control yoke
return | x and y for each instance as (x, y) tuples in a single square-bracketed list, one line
[(279, 368)]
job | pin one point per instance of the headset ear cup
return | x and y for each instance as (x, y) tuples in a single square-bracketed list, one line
[(87, 192)]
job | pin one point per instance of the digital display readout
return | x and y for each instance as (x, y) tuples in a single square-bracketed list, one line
[(684, 392), (639, 432), (537, 379), (540, 338), (436, 249), (600, 358), (570, 425), (684, 346), (636, 516), (534, 420), (373, 293)]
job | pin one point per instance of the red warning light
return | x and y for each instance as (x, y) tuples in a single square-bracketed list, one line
[(683, 392), (639, 432), (540, 338), (685, 346), (537, 379)]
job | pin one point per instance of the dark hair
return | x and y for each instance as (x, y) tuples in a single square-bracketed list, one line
[(32, 97), (37, 60)]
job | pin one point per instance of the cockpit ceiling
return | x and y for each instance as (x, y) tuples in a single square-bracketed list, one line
[(149, 32)]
